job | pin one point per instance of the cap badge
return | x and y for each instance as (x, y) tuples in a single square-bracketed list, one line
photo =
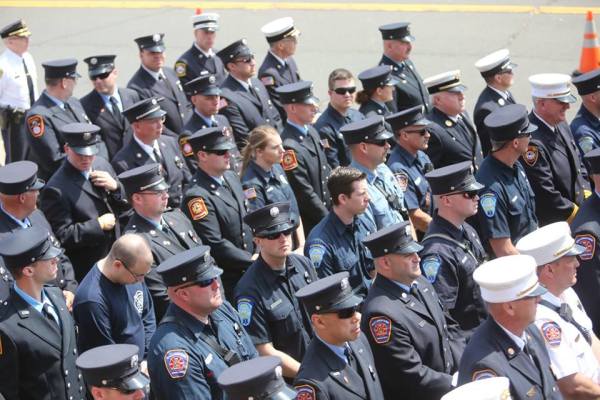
[(156, 37), (274, 212), (87, 136), (134, 361), (94, 61), (344, 284), (211, 79)]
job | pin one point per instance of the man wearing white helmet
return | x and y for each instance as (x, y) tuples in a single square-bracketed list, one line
[(507, 344), (560, 317), (489, 389)]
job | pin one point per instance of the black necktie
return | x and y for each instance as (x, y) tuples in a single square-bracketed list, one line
[(567, 314), (115, 107), (350, 357), (46, 312), (253, 92), (70, 110), (29, 84)]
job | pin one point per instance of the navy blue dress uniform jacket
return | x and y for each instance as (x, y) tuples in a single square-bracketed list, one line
[(174, 102), (115, 130), (555, 171), (416, 346), (72, 205), (38, 357), (491, 352), (268, 308), (307, 170), (489, 100), (175, 171), (409, 172), (180, 236), (586, 130), (195, 123), (217, 216), (328, 125), (448, 259), (372, 107), (182, 365), (507, 203), (267, 187), (410, 90), (65, 277), (324, 375), (452, 142), (244, 111), (272, 73), (44, 121), (191, 63), (586, 229)]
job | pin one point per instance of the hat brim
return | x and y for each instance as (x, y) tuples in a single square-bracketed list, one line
[(422, 122), (91, 150), (285, 393), (407, 39), (312, 100), (412, 247), (215, 91), (99, 71), (473, 186), (276, 229), (393, 81), (160, 186), (530, 128), (135, 382), (575, 250), (569, 99), (222, 145), (38, 184), (155, 49), (156, 114), (210, 27), (351, 301), (51, 253), (537, 291), (457, 89), (213, 272), (384, 135)]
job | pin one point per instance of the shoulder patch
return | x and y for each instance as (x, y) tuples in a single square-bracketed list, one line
[(552, 333), (316, 253), (197, 208), (180, 69), (431, 266), (186, 148), (305, 392), (381, 329), (267, 80), (402, 180), (250, 193), (244, 308), (589, 242), (488, 204), (35, 124), (483, 374), (586, 144), (289, 160), (176, 363), (531, 155)]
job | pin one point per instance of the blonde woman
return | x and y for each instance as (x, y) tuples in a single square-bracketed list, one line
[(263, 179)]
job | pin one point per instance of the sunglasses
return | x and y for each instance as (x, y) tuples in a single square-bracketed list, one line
[(101, 76), (467, 195), (136, 276), (422, 131), (203, 284), (278, 234), (344, 90), (246, 59), (125, 391), (347, 312), (379, 143), (218, 152)]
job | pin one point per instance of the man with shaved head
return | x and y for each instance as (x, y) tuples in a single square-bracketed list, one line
[(112, 303)]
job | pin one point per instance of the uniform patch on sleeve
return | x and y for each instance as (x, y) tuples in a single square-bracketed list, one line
[(267, 80), (176, 363), (289, 160), (402, 180), (483, 374), (197, 208), (381, 329), (244, 308), (531, 155), (316, 253), (181, 69), (305, 392), (250, 193), (552, 333), (431, 266), (487, 202), (586, 144), (589, 242), (35, 124), (186, 148)]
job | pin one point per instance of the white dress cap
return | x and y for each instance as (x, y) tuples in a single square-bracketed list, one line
[(549, 243), (209, 21), (494, 63), (446, 81), (496, 388), (279, 29), (508, 278), (552, 86)]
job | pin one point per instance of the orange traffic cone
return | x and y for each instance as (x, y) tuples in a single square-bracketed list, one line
[(590, 53), (198, 11)]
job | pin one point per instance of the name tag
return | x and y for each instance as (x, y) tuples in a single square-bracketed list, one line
[(418, 180), (275, 304), (208, 359), (513, 199)]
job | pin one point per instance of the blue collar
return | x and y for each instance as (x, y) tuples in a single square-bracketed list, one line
[(265, 175), (23, 224), (404, 287), (371, 175), (302, 128), (207, 120), (56, 101), (337, 350), (106, 98), (33, 302)]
